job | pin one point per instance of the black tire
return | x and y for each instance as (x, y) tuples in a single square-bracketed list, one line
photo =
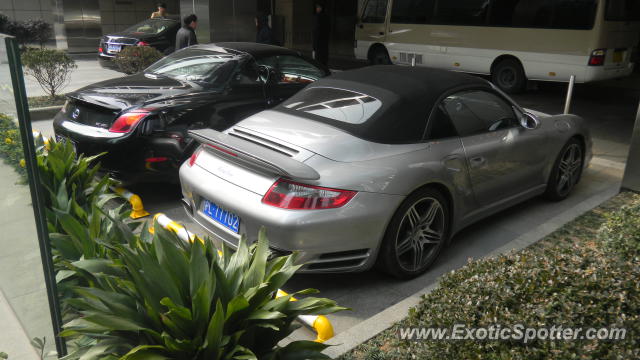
[(398, 256), (379, 56), (566, 171), (509, 76)]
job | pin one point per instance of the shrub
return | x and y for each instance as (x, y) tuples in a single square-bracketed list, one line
[(11, 145), (621, 232), (133, 59), (51, 68), (38, 31), (4, 21), (162, 298)]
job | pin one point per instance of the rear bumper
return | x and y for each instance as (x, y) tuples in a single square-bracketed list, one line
[(125, 153), (345, 239), (597, 73)]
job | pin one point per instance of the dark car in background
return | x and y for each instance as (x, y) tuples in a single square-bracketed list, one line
[(141, 121), (158, 33)]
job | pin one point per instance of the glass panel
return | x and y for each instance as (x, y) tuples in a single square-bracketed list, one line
[(463, 12), (375, 11), (336, 104), (24, 308), (622, 10), (412, 11)]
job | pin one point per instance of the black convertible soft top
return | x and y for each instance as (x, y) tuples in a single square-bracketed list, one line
[(408, 95)]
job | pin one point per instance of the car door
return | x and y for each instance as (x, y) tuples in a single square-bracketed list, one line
[(289, 75), (504, 158)]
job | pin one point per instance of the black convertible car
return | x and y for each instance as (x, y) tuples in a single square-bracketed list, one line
[(159, 33), (142, 120)]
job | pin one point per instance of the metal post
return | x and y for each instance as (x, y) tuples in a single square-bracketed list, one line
[(413, 61), (567, 102), (631, 179), (37, 192)]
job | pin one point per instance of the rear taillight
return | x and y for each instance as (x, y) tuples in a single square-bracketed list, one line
[(287, 194), (142, 43), (100, 50), (597, 57), (127, 121), (194, 156)]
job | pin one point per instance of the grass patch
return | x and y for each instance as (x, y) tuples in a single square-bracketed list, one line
[(583, 275), (44, 101)]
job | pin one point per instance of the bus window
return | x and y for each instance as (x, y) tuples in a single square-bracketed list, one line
[(412, 11), (574, 14), (532, 14), (622, 10), (468, 12), (375, 11)]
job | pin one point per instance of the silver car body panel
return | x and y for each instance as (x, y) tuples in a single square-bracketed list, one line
[(480, 174)]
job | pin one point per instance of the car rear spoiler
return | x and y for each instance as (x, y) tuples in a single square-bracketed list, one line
[(253, 155)]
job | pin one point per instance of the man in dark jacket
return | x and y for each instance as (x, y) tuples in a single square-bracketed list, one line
[(321, 35), (186, 36), (263, 34)]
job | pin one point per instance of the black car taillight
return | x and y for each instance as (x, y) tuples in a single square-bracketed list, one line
[(127, 121)]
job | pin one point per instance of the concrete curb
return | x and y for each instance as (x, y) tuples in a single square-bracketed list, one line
[(44, 113), (358, 334)]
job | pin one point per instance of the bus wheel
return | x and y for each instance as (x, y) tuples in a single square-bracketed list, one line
[(509, 76), (379, 56)]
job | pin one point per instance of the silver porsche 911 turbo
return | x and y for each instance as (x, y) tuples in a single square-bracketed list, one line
[(379, 165)]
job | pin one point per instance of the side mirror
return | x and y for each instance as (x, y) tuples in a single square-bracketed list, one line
[(529, 121)]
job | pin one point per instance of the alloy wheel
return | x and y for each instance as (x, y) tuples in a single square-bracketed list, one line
[(569, 169), (420, 233)]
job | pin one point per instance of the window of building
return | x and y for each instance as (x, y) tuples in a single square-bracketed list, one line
[(474, 112), (412, 11), (461, 12), (375, 11)]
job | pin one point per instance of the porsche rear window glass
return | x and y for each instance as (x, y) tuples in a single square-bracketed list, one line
[(336, 104)]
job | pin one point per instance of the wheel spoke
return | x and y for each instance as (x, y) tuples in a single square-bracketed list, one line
[(413, 216), (431, 213), (417, 255), (429, 236), (404, 246)]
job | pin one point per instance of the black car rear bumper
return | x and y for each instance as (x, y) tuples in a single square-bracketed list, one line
[(126, 156)]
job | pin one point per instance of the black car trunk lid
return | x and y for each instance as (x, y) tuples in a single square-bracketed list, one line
[(91, 114)]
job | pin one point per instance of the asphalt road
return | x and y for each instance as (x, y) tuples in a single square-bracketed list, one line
[(610, 111)]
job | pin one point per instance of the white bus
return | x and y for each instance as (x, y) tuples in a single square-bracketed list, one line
[(511, 40)]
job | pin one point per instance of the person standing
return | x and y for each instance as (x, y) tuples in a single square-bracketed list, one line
[(320, 35), (162, 11), (186, 36), (263, 34)]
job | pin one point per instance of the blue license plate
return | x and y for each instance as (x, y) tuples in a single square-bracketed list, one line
[(223, 217), (113, 48)]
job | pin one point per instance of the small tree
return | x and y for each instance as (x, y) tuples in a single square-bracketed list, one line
[(133, 59), (38, 31), (51, 68)]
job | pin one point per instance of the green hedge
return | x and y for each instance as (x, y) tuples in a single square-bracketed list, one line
[(11, 145), (580, 276)]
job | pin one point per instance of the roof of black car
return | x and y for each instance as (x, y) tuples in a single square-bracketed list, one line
[(255, 49), (408, 95)]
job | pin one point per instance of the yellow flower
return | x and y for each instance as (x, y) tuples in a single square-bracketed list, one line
[(23, 163), (8, 141)]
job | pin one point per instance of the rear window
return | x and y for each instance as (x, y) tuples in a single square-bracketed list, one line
[(622, 10), (335, 104), (150, 27)]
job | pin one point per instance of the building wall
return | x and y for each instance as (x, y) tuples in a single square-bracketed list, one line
[(27, 9)]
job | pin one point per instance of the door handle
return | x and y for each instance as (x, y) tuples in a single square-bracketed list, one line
[(477, 161)]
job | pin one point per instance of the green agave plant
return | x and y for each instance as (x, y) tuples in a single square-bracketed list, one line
[(160, 298)]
